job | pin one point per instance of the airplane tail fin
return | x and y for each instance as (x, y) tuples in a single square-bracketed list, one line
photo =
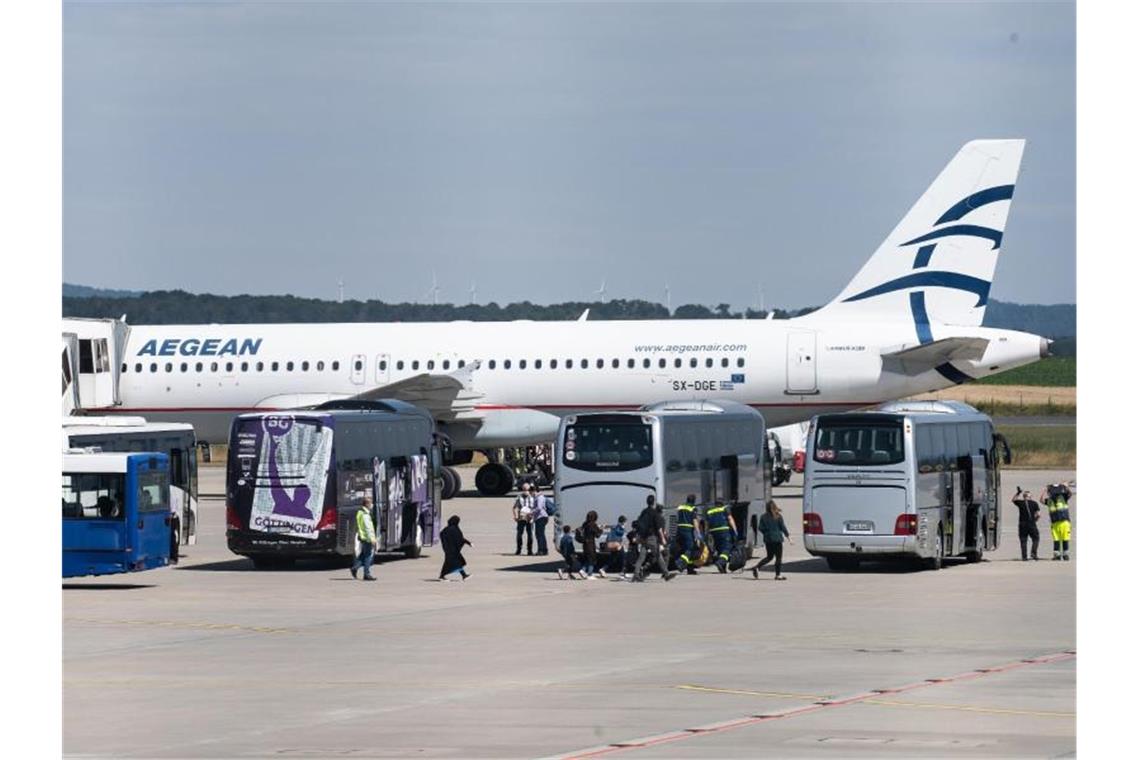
[(938, 264)]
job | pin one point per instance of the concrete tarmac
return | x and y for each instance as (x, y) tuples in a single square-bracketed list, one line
[(214, 659)]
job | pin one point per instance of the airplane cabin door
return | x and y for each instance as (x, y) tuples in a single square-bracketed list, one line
[(801, 364), (358, 371)]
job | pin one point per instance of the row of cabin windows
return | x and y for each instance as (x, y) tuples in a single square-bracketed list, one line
[(382, 365), (242, 366), (646, 363)]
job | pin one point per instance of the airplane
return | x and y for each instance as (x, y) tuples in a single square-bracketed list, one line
[(909, 322)]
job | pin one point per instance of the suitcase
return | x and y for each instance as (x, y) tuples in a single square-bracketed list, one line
[(738, 556)]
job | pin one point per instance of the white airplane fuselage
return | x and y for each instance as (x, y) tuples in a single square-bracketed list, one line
[(789, 370)]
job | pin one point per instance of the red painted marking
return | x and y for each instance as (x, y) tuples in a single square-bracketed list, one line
[(674, 736)]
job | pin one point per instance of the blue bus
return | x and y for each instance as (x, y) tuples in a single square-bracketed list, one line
[(116, 513)]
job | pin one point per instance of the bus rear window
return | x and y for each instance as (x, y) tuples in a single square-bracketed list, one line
[(93, 496), (154, 491), (607, 447), (858, 443)]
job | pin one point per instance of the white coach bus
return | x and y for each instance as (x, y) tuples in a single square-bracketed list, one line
[(610, 461), (918, 480)]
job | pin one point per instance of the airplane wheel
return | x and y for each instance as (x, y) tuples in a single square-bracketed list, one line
[(458, 481), (450, 483), (494, 479)]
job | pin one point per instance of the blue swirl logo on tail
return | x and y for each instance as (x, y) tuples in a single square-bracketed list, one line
[(943, 279)]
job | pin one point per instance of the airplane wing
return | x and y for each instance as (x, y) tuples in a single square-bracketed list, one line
[(445, 396), (918, 359)]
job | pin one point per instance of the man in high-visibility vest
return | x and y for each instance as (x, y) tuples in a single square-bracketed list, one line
[(1056, 499), (722, 529), (686, 519), (366, 534)]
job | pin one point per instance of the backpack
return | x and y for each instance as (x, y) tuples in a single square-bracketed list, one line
[(578, 535)]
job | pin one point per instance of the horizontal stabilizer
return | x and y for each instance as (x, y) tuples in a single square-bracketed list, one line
[(927, 356)]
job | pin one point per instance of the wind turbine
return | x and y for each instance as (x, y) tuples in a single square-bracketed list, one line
[(434, 291), (668, 299), (472, 291), (601, 292), (340, 291)]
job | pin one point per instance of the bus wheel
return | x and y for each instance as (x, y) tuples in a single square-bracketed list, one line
[(935, 562), (272, 563), (413, 551), (494, 479)]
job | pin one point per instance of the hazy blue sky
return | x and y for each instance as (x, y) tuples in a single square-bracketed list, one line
[(537, 149)]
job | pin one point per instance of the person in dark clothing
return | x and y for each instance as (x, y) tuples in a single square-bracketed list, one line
[(566, 549), (1028, 511), (774, 531), (591, 532), (651, 537), (686, 538), (452, 540)]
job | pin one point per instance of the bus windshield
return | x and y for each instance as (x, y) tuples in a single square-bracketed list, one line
[(859, 442), (608, 446)]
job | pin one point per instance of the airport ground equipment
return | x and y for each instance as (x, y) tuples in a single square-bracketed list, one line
[(116, 516), (96, 348), (781, 468), (916, 480), (712, 449), (176, 440), (294, 480), (510, 468)]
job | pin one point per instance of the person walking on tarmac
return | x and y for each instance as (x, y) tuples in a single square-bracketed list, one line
[(452, 540), (1056, 498), (722, 530), (774, 531), (651, 538), (1028, 512), (366, 533), (686, 540), (523, 514)]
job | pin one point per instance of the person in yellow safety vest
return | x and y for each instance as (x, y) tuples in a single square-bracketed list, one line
[(1056, 500), (686, 519), (366, 534), (722, 530)]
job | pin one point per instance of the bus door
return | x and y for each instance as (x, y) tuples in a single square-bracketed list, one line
[(801, 364), (425, 507), (396, 503), (149, 514), (999, 455), (979, 497)]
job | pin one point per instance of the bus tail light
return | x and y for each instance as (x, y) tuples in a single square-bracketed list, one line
[(328, 520), (813, 524), (906, 525), (232, 522)]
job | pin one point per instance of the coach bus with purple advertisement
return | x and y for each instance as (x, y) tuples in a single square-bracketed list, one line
[(294, 480)]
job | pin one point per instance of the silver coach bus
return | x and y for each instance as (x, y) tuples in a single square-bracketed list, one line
[(918, 480), (610, 461)]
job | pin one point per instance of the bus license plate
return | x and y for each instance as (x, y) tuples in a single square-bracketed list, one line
[(859, 526)]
